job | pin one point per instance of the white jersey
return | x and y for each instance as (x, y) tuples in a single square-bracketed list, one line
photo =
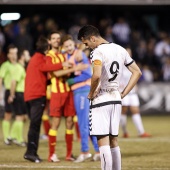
[(126, 74), (113, 58)]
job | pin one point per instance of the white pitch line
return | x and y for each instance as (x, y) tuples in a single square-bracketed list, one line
[(66, 167), (43, 167), (145, 139)]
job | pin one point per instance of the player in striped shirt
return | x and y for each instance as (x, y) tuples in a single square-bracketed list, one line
[(61, 102)]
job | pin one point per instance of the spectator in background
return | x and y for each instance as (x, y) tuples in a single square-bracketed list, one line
[(135, 45), (108, 34), (2, 56), (23, 40), (166, 69), (152, 61), (104, 23), (9, 36), (50, 24), (121, 32), (74, 29), (141, 50), (147, 74), (2, 39), (162, 47)]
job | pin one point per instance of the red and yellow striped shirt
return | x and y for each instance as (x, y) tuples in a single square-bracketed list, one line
[(58, 84)]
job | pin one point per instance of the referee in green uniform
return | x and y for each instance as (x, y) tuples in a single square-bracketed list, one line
[(6, 71), (17, 98)]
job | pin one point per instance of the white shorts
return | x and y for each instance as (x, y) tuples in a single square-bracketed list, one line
[(131, 100), (105, 120)]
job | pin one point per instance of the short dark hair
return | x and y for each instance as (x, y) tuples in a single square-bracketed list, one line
[(65, 38), (53, 32), (20, 53), (11, 46), (87, 31), (42, 45)]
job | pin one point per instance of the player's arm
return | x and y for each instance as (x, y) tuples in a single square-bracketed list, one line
[(2, 74), (78, 67), (49, 66), (1, 80), (12, 91), (85, 75), (136, 73), (78, 56), (97, 71)]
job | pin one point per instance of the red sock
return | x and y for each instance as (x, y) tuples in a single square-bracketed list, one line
[(77, 130), (52, 141), (69, 142), (75, 119), (46, 124)]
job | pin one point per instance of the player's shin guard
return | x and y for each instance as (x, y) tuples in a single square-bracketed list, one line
[(69, 142), (116, 158), (105, 157), (52, 141), (46, 123)]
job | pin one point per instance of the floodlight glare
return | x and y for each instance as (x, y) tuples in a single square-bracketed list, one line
[(10, 16)]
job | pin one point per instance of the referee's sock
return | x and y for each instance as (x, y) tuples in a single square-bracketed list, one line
[(6, 129), (116, 158), (13, 132), (105, 157), (19, 128)]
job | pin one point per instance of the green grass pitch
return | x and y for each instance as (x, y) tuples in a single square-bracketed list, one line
[(137, 153)]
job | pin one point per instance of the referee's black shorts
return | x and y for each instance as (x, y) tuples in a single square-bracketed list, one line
[(8, 106), (19, 105)]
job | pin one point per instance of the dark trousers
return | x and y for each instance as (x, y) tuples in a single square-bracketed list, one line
[(35, 109)]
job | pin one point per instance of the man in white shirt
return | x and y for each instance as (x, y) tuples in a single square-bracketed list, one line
[(108, 60)]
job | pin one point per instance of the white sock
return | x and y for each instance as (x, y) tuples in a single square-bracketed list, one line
[(138, 123), (123, 122), (116, 157), (105, 157)]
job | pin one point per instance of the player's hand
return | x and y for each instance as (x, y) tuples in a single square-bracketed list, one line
[(81, 66), (10, 99), (122, 95), (67, 64), (91, 96)]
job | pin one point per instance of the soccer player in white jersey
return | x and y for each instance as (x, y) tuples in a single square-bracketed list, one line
[(131, 102), (107, 60)]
